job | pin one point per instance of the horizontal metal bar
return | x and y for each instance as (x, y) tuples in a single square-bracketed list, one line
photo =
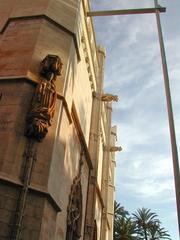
[(125, 12)]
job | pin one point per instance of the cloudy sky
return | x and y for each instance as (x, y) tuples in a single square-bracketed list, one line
[(144, 175)]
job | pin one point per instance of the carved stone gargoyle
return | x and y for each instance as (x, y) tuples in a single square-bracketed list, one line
[(109, 97), (115, 149), (42, 107)]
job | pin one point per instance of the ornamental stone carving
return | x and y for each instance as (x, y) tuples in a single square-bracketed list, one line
[(42, 107), (109, 97), (115, 149), (74, 211)]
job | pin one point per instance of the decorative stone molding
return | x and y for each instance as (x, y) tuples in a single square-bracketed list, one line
[(42, 107), (74, 211), (109, 97), (87, 60), (113, 148)]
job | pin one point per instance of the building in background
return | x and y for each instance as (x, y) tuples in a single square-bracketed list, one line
[(57, 143)]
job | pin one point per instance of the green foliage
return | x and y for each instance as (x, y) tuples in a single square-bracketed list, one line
[(125, 229), (119, 211), (144, 220), (157, 232), (143, 225)]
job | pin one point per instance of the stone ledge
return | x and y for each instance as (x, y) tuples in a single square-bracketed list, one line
[(32, 188)]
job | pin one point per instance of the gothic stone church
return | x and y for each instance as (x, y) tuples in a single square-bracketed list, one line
[(57, 144)]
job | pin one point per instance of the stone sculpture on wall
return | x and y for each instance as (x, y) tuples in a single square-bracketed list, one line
[(115, 149), (42, 107), (109, 97), (74, 215)]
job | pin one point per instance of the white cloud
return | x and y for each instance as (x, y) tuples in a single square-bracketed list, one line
[(146, 176), (154, 190), (134, 72)]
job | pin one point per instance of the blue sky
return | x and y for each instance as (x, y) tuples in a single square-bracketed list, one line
[(144, 175)]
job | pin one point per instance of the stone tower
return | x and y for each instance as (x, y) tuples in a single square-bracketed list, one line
[(55, 124)]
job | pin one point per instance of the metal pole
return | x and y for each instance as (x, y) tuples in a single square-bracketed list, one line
[(125, 11), (170, 114)]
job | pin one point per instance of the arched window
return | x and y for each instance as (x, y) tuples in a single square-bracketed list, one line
[(74, 211)]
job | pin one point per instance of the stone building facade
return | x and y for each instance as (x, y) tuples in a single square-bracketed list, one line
[(57, 143)]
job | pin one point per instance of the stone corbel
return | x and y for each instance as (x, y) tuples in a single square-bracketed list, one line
[(107, 97), (113, 148)]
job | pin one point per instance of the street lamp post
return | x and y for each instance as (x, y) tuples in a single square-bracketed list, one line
[(170, 114)]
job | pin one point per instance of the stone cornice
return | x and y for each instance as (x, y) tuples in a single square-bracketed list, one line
[(37, 190)]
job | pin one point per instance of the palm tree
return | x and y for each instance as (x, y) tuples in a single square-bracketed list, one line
[(144, 225), (124, 229), (119, 210), (144, 219), (157, 232)]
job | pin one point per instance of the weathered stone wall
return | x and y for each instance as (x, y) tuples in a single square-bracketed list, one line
[(15, 99), (8, 198), (28, 32)]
